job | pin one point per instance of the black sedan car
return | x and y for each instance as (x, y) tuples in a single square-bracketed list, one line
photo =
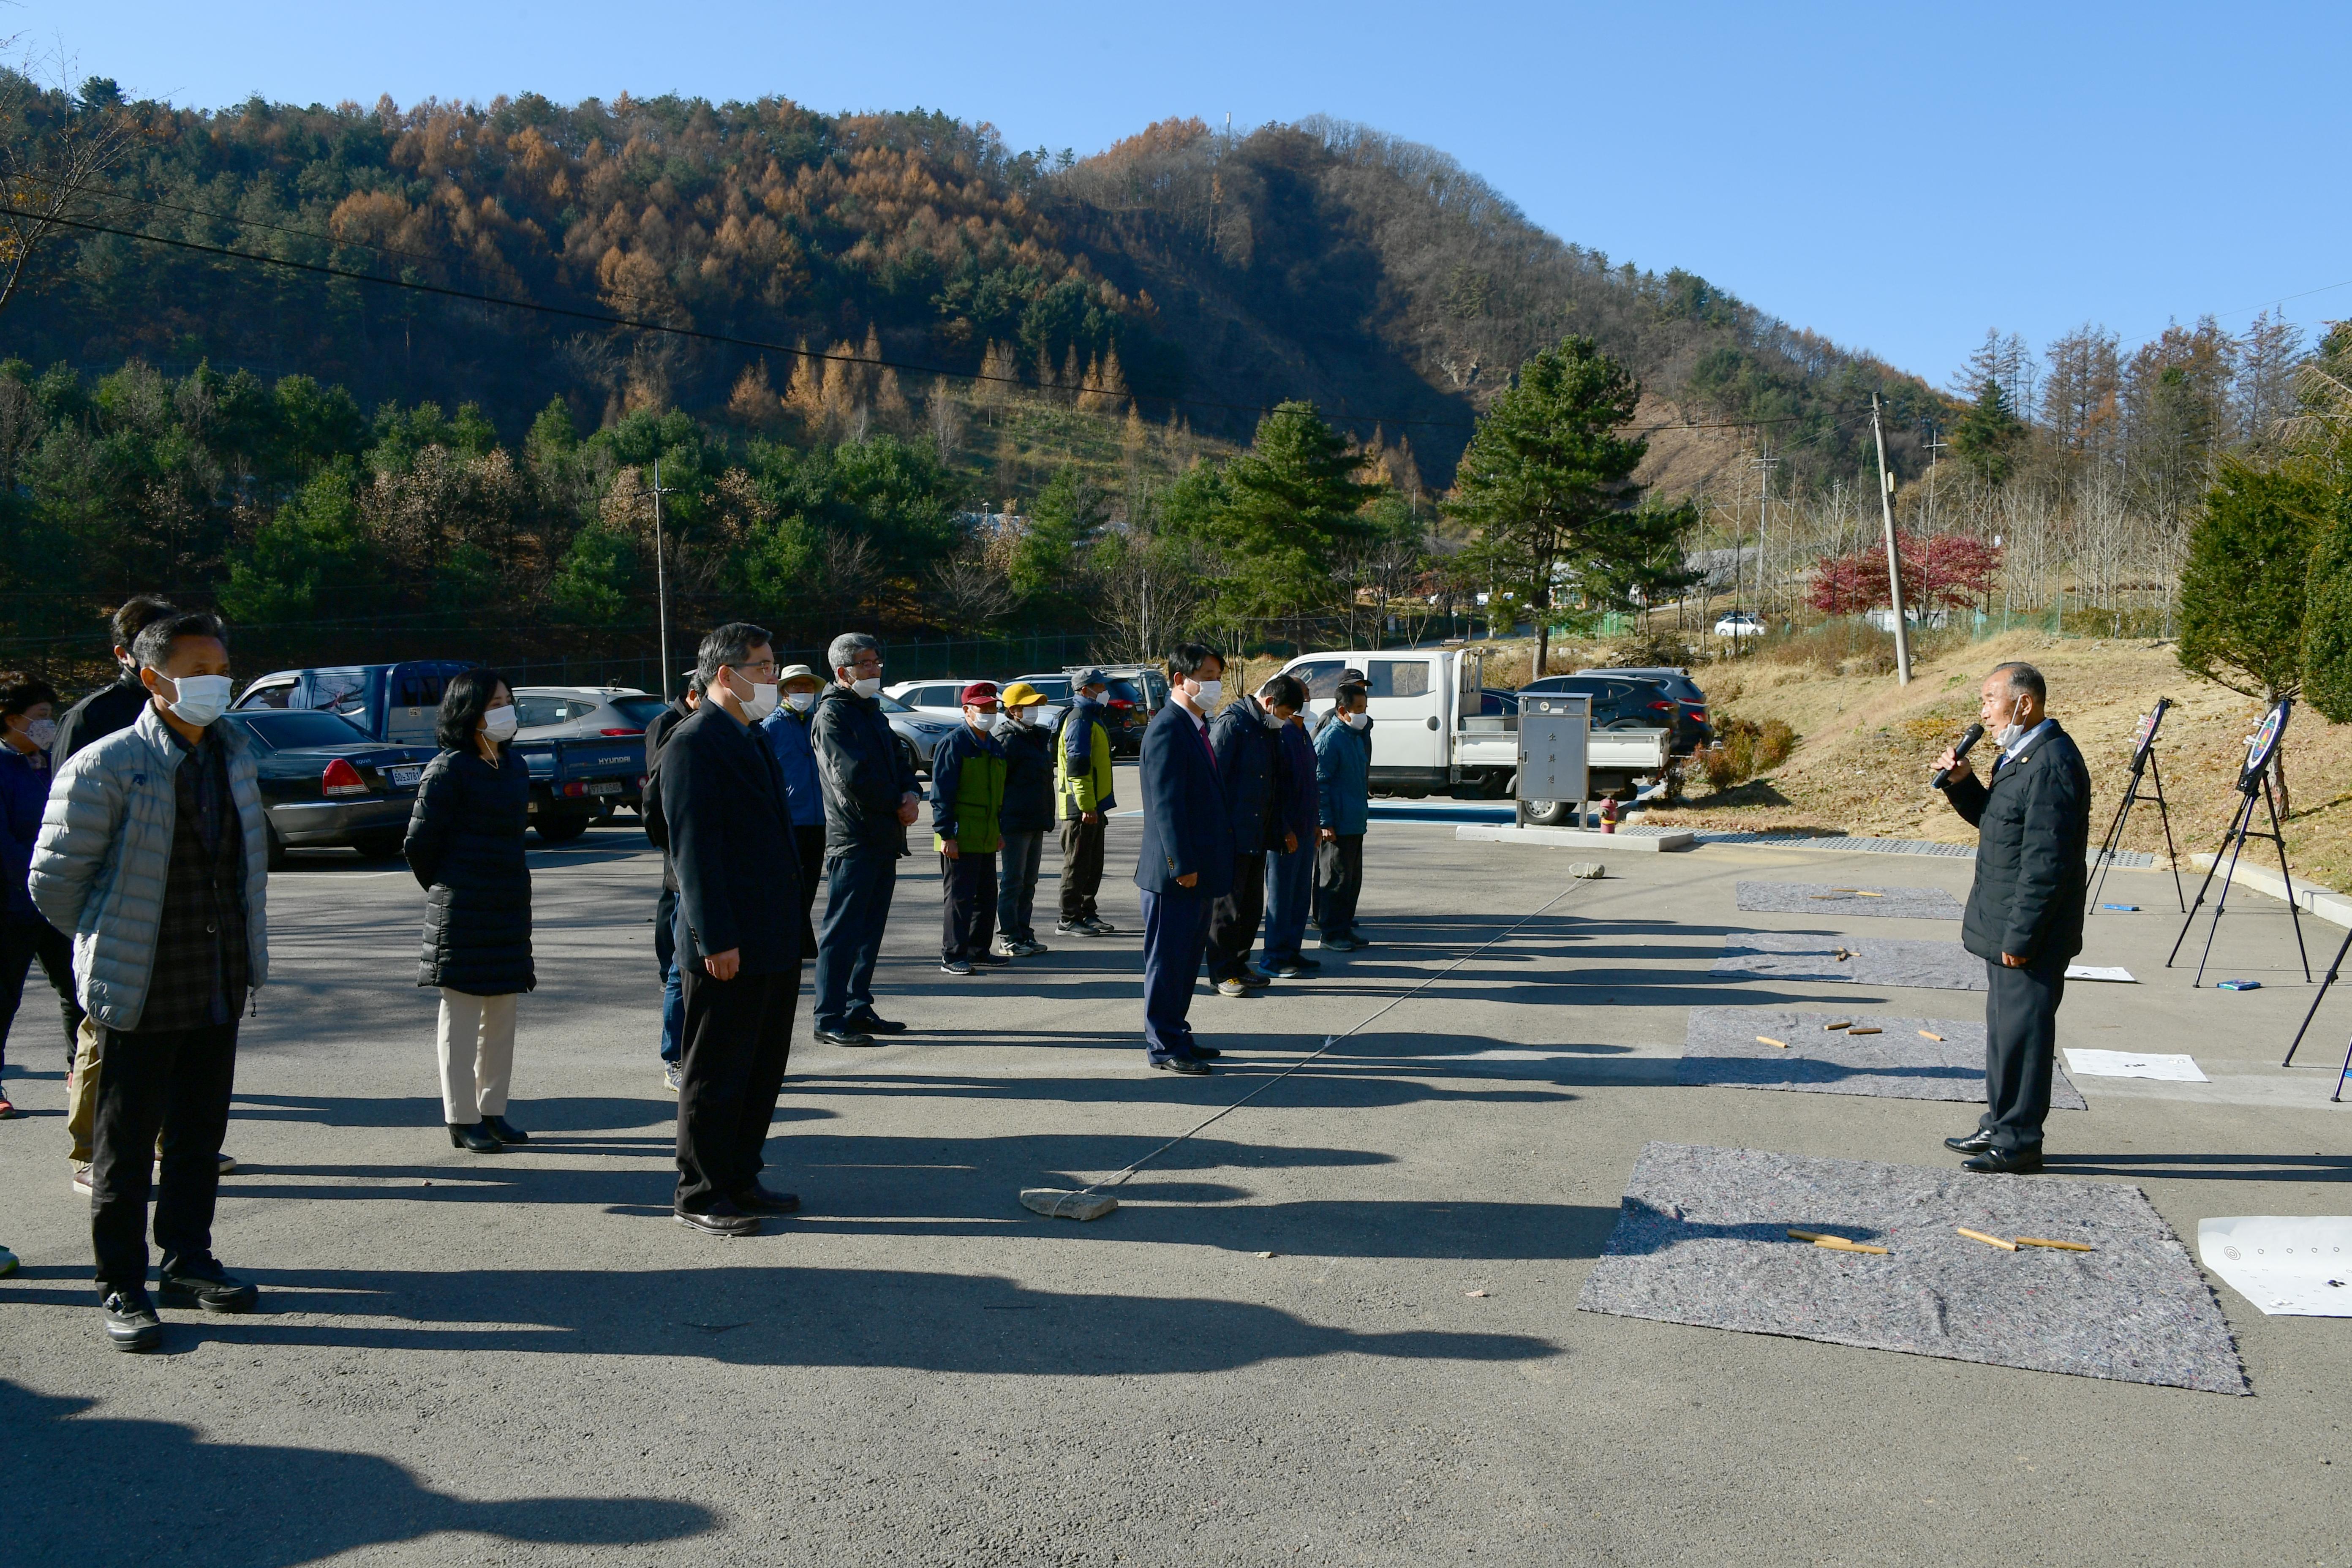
[(325, 784)]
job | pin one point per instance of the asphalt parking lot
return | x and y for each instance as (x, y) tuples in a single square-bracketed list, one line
[(1336, 1328)]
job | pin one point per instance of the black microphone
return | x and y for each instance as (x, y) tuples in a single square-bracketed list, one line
[(1968, 737)]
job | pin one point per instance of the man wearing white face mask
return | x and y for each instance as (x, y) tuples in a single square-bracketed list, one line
[(787, 731), (27, 732), (154, 852), (1343, 760), (1185, 863), (728, 823)]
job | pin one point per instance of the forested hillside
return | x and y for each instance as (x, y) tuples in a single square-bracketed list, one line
[(847, 339)]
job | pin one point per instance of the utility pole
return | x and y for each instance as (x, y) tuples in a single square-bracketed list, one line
[(1935, 444), (1764, 464), (661, 581), (1894, 562)]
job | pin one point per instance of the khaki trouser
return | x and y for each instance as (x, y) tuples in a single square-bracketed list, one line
[(81, 1096), (477, 1054)]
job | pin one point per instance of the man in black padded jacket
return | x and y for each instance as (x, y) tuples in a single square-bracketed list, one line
[(2024, 917)]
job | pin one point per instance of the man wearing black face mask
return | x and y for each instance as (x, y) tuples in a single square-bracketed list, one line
[(2024, 917)]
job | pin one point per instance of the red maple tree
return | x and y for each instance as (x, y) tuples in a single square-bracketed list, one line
[(1946, 569)]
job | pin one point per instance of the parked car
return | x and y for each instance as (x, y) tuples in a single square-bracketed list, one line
[(1695, 729), (544, 712), (941, 699), (326, 785), (1740, 624), (1621, 701), (918, 732), (391, 702), (1138, 692)]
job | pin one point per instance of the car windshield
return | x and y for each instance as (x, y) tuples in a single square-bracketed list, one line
[(1052, 690), (278, 729)]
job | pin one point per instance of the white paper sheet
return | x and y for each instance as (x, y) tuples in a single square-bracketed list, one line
[(2132, 1064), (2116, 973), (2287, 1266)]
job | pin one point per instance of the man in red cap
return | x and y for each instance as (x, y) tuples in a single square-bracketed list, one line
[(967, 792)]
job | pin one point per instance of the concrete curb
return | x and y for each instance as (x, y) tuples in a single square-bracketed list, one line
[(2332, 907), (1654, 841)]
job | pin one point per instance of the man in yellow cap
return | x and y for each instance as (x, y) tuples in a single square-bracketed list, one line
[(1025, 818)]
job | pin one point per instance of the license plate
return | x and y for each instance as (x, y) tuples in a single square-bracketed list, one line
[(608, 787), (402, 778)]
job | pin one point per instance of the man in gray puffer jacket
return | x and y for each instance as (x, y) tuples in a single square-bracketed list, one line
[(153, 854)]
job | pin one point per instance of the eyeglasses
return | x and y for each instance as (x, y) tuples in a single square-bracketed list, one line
[(766, 666)]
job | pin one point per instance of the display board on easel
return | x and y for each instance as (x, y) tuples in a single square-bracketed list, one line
[(2253, 785), (2147, 783)]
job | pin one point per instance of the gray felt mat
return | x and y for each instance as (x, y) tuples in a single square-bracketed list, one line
[(1702, 1238), (1869, 961), (1825, 898), (1721, 1046)]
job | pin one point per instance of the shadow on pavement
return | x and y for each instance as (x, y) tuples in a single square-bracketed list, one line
[(118, 1490)]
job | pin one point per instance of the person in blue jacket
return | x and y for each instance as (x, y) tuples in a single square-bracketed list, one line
[(1343, 765), (1290, 873), (1186, 862), (27, 730), (787, 732)]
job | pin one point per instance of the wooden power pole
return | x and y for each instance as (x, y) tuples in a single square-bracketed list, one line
[(1894, 562)]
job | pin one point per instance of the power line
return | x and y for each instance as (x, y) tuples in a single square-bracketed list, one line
[(641, 324)]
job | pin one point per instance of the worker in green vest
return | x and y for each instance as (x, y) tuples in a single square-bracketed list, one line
[(967, 792), (1082, 784)]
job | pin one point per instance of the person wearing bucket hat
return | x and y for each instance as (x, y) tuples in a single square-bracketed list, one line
[(1023, 820), (1082, 781), (967, 793), (786, 731)]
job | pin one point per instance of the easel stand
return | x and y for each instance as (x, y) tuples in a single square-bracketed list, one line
[(2333, 970), (2242, 827), (2145, 762)]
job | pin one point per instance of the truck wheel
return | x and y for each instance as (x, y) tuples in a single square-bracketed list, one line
[(1553, 813), (381, 843), (561, 828)]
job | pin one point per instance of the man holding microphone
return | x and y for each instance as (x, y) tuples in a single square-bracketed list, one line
[(2024, 917)]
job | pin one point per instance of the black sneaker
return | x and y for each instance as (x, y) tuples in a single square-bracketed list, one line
[(1097, 926), (209, 1285), (130, 1323), (990, 959), (1252, 979), (1076, 928), (955, 966)]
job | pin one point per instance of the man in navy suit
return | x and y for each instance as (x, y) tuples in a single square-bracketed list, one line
[(1186, 863)]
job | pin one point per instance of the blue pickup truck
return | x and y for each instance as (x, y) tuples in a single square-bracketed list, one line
[(572, 778)]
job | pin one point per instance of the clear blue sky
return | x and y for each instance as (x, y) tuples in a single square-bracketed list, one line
[(1898, 177)]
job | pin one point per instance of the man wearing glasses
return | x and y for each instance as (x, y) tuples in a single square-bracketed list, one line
[(869, 800), (730, 829)]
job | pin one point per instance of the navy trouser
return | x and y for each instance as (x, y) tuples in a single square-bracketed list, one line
[(177, 1081), (1018, 863), (673, 1024), (1289, 893), (2021, 1049), (1175, 935), (858, 886)]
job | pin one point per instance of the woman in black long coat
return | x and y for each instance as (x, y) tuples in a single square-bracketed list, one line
[(465, 846)]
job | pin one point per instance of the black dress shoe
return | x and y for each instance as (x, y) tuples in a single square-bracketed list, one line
[(504, 1132), (212, 1289), (475, 1136), (757, 1199), (1976, 1142), (874, 1024), (842, 1038), (1207, 1053), (725, 1220), (1191, 1066), (2005, 1162), (129, 1321)]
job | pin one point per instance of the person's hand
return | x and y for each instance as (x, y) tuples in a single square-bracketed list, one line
[(948, 847), (1955, 766), (723, 965), (1090, 816), (907, 809), (1326, 836), (2012, 961), (1188, 878), (1290, 844)]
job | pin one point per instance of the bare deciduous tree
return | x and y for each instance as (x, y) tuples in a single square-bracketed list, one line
[(56, 150)]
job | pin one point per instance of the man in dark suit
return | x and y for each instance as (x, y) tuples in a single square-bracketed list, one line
[(1186, 862), (723, 808), (2024, 917), (673, 1024)]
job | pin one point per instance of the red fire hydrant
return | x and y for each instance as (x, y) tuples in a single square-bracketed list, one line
[(1609, 815)]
